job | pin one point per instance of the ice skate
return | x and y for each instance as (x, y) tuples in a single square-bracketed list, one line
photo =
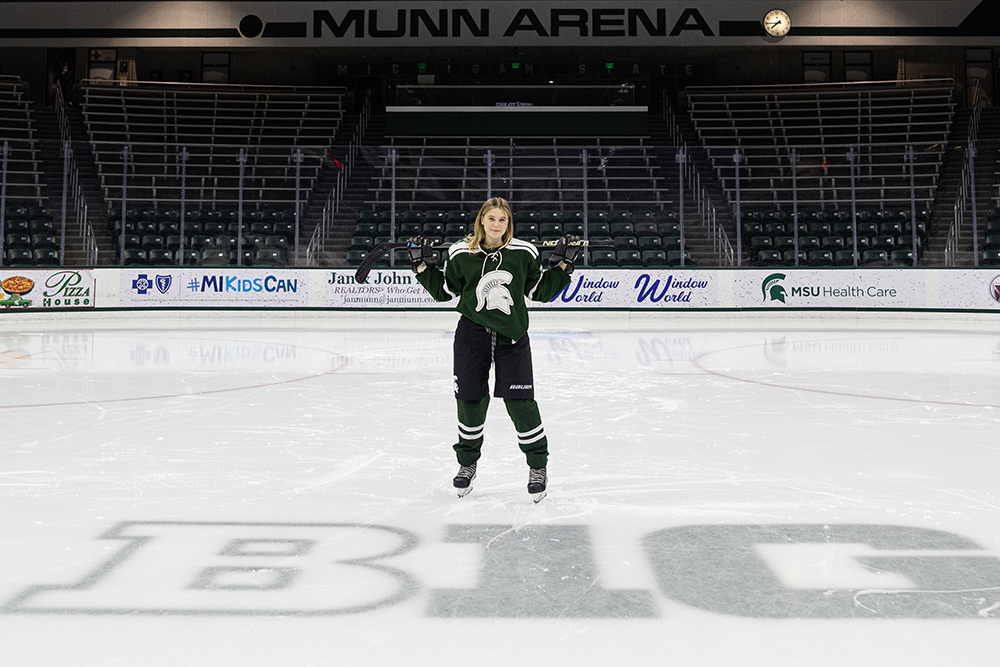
[(537, 483), (463, 480)]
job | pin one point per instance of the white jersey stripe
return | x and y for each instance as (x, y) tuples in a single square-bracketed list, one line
[(528, 441), (531, 432)]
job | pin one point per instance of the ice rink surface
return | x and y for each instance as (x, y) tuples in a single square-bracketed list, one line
[(255, 490)]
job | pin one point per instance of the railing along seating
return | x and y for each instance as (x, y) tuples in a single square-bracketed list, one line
[(536, 177), (23, 175), (876, 124), (193, 137)]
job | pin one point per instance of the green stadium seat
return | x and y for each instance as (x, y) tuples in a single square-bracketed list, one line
[(832, 243), (820, 229), (653, 258), (650, 243), (550, 229), (151, 241), (902, 256), (875, 258), (135, 257), (774, 229), (214, 257), (990, 257), (628, 258), (45, 257), (603, 258), (821, 258), (159, 257), (675, 257), (354, 257), (783, 243), (44, 240), (626, 243), (18, 240), (621, 229), (843, 258), (788, 257), (20, 257), (598, 228)]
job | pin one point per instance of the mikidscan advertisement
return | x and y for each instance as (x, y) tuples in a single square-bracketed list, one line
[(589, 288), (46, 289), (249, 288)]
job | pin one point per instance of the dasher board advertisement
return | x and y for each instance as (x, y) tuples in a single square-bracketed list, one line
[(213, 288), (46, 289), (588, 288), (851, 289)]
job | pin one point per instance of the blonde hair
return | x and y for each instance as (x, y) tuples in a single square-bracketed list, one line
[(479, 233)]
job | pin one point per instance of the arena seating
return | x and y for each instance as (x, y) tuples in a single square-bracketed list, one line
[(24, 184), (826, 238), (821, 123), (647, 238), (213, 123), (210, 237), (536, 176), (30, 236), (878, 122)]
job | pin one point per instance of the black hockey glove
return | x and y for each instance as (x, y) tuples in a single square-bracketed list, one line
[(565, 251), (421, 252)]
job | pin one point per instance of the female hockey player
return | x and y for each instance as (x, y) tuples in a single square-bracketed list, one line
[(492, 274)]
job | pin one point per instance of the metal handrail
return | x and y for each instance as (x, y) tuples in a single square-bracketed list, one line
[(324, 229), (670, 118), (822, 87), (76, 197), (964, 201), (212, 87), (721, 245)]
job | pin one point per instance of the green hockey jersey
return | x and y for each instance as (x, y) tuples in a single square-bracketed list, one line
[(492, 286)]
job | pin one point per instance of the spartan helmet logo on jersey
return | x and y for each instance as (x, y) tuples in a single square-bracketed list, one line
[(492, 293), (772, 287)]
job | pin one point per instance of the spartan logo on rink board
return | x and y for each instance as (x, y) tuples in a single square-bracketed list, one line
[(772, 287), (492, 292), (995, 289)]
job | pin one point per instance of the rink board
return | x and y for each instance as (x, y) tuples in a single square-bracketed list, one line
[(593, 289)]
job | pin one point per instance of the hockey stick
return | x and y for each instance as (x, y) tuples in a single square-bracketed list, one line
[(376, 253)]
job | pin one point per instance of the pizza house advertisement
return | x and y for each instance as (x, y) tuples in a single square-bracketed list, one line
[(46, 289)]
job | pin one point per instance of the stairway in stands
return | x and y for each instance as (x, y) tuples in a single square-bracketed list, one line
[(51, 154), (356, 188), (943, 210), (696, 235)]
